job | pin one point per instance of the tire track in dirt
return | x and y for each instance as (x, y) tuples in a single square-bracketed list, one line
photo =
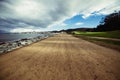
[(62, 57)]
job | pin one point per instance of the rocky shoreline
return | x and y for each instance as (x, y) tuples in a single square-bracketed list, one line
[(9, 46)]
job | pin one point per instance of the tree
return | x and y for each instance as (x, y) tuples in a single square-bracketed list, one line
[(110, 22)]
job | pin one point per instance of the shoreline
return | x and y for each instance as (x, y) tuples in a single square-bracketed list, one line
[(6, 47)]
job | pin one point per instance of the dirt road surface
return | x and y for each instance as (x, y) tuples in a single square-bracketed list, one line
[(62, 57)]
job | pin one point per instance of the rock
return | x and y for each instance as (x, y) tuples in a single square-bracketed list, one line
[(9, 46)]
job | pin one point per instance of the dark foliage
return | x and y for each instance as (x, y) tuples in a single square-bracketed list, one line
[(77, 29), (110, 22)]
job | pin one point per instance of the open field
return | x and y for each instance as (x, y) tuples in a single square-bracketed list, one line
[(111, 37), (110, 34), (62, 57)]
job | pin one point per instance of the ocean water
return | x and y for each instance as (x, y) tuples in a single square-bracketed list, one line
[(13, 37)]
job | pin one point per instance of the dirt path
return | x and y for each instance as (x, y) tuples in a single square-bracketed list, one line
[(113, 39), (62, 57)]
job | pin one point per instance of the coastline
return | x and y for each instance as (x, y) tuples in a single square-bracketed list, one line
[(13, 45), (55, 57)]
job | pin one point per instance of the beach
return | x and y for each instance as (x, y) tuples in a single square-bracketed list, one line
[(61, 57), (9, 43)]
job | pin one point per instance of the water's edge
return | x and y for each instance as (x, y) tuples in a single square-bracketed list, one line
[(6, 47)]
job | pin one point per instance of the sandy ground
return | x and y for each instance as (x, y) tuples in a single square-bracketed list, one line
[(61, 57)]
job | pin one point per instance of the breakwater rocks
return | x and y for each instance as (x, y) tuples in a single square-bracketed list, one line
[(9, 46)]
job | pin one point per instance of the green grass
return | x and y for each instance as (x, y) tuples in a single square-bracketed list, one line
[(104, 42), (108, 41), (110, 34)]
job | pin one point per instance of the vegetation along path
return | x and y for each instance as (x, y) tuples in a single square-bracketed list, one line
[(62, 57)]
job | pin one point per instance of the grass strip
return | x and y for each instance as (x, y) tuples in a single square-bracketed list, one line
[(102, 42), (110, 34)]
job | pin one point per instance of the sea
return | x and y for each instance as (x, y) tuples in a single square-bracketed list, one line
[(7, 37)]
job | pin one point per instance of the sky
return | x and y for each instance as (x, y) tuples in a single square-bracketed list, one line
[(48, 15)]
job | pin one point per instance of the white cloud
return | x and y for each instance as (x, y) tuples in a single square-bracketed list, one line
[(101, 7), (26, 29), (47, 13), (63, 24), (79, 23), (58, 24)]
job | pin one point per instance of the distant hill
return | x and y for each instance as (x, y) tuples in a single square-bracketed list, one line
[(77, 29)]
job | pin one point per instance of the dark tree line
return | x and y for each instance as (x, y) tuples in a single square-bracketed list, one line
[(110, 22)]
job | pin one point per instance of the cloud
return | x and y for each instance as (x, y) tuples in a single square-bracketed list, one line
[(63, 24), (24, 30), (58, 24), (79, 23), (100, 7), (19, 14)]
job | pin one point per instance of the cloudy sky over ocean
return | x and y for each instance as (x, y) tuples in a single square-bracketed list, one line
[(44, 15)]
